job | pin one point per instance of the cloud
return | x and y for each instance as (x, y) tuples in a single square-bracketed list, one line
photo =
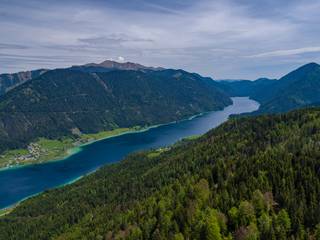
[(205, 36), (283, 53), (12, 46), (113, 39), (120, 59)]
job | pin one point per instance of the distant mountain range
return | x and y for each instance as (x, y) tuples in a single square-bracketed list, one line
[(97, 97), (241, 88), (297, 89), (112, 65), (251, 178), (67, 102), (9, 81)]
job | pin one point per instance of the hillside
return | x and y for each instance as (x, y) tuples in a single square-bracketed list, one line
[(9, 81), (244, 88), (297, 89), (69, 103), (251, 178), (300, 88)]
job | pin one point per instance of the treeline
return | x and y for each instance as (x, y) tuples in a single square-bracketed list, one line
[(251, 178)]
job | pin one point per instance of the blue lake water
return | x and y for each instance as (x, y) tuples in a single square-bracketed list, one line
[(19, 183)]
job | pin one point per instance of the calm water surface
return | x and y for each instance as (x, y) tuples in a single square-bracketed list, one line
[(19, 183)]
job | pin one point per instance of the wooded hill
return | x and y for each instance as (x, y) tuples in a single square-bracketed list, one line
[(298, 89), (250, 178), (68, 102)]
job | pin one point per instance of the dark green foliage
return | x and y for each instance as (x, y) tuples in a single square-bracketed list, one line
[(62, 102), (251, 178)]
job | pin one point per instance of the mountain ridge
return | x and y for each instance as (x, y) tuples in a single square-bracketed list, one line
[(297, 89), (9, 81), (121, 65), (64, 101)]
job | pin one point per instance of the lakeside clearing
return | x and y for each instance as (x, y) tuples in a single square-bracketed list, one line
[(5, 211), (45, 150), (48, 150)]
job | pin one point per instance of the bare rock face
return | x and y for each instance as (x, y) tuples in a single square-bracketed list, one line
[(9, 81), (121, 66)]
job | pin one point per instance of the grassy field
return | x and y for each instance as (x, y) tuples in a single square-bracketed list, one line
[(45, 150), (5, 211), (155, 153)]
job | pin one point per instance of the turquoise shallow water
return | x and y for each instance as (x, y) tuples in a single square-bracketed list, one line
[(20, 183)]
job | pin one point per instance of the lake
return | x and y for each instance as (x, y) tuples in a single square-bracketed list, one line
[(22, 182)]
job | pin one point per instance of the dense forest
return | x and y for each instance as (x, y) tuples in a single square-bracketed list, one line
[(250, 178), (67, 102)]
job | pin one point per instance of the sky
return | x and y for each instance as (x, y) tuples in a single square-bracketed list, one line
[(223, 39)]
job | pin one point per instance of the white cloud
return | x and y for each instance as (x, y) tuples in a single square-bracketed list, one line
[(209, 37), (120, 59)]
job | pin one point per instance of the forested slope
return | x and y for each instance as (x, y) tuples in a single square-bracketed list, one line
[(67, 103), (251, 178), (297, 89)]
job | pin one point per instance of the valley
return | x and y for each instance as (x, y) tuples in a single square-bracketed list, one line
[(23, 182), (159, 120), (253, 176)]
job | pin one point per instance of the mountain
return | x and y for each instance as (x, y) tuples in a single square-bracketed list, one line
[(108, 65), (250, 178), (9, 81), (297, 89), (242, 88), (300, 88), (66, 102)]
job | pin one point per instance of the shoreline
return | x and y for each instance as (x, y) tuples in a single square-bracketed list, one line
[(76, 149), (69, 152), (7, 209)]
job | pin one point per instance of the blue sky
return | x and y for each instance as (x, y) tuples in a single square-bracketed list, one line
[(243, 39)]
